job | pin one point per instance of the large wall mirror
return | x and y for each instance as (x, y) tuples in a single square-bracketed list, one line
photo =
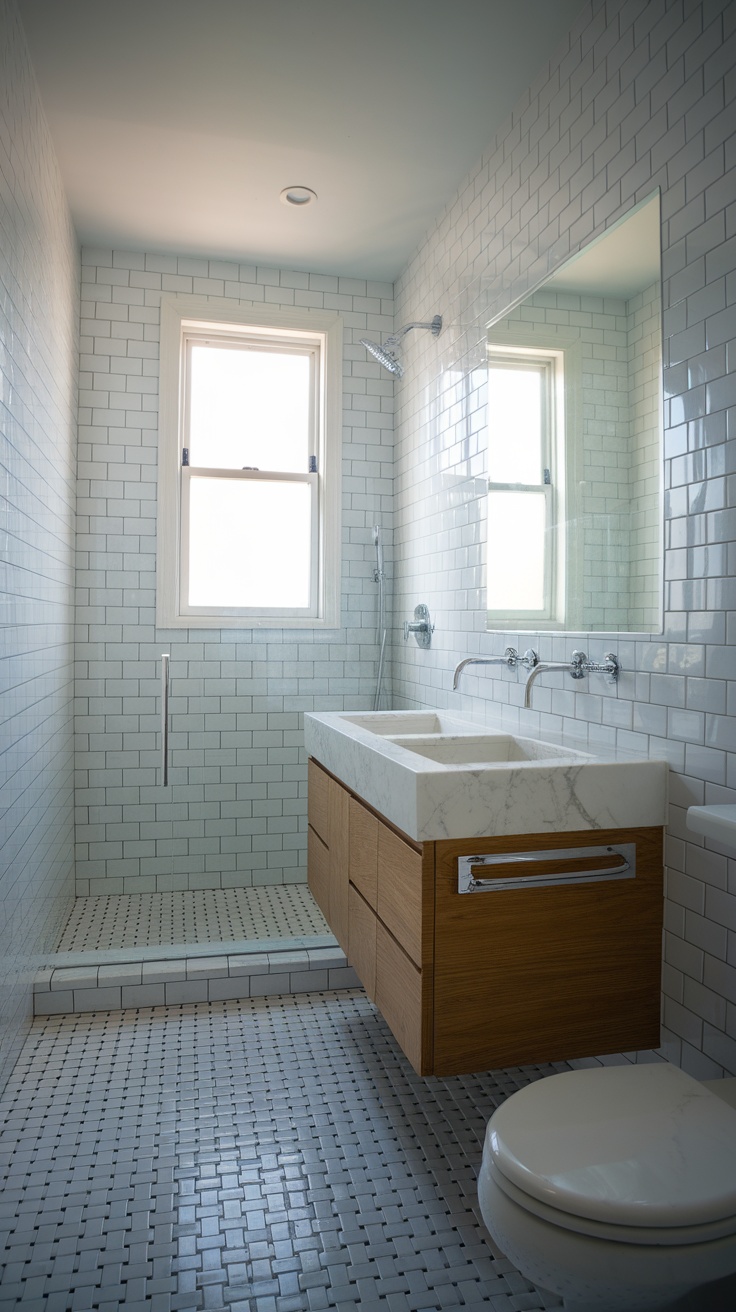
[(575, 443)]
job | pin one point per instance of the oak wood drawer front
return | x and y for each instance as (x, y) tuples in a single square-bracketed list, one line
[(318, 872), (338, 804), (399, 998), (317, 793), (399, 902), (364, 851), (362, 943), (547, 973)]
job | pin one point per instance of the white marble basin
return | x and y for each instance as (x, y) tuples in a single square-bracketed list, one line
[(489, 749), (389, 723), (436, 776)]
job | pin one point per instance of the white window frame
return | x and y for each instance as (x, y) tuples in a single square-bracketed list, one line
[(565, 438), (183, 320)]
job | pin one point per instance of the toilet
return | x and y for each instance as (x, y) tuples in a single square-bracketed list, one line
[(615, 1187)]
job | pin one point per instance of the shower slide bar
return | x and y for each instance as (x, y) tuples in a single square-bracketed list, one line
[(502, 871), (164, 719)]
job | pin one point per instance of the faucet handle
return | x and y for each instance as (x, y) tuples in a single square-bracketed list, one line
[(579, 665)]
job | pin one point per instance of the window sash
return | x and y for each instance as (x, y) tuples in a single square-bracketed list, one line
[(255, 343), (545, 367), (546, 611), (188, 475)]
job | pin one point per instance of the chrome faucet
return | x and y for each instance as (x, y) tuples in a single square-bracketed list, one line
[(577, 667), (510, 658)]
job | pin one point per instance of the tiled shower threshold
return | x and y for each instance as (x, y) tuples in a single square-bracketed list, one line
[(109, 956)]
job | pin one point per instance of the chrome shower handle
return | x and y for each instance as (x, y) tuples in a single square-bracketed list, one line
[(164, 718)]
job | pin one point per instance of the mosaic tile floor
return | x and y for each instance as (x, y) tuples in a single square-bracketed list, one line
[(97, 924), (267, 1155)]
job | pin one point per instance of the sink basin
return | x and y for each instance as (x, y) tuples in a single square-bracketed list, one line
[(436, 776), (469, 749), (389, 723)]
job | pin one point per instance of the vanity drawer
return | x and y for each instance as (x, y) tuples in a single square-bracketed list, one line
[(318, 787), (318, 872), (362, 941), (404, 999), (549, 972), (364, 827), (400, 901)]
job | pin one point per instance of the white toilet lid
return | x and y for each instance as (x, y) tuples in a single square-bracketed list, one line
[(626, 1145)]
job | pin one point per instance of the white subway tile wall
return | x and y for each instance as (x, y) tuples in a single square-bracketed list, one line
[(39, 307), (234, 814), (641, 96)]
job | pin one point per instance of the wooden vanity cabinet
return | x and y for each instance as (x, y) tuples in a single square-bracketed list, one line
[(328, 836), (489, 979)]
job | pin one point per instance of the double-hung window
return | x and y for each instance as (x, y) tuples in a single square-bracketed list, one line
[(249, 467), (525, 573)]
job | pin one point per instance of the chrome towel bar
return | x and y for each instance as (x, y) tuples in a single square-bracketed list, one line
[(565, 865)]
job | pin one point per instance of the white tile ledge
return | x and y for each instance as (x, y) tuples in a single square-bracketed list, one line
[(202, 975), (715, 822), (178, 951)]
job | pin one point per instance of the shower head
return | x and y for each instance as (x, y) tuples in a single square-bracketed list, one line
[(385, 354)]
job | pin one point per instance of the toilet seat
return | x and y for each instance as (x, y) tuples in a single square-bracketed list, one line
[(635, 1154)]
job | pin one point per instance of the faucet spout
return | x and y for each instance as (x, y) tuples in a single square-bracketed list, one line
[(510, 658), (541, 668), (577, 667)]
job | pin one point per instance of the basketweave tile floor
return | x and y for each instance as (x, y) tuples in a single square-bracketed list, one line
[(132, 920), (264, 1155)]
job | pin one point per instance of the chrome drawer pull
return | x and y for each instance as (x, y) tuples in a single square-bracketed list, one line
[(607, 862)]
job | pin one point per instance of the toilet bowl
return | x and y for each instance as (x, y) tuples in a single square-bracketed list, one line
[(615, 1187)]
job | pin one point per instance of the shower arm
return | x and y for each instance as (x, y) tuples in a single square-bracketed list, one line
[(435, 327)]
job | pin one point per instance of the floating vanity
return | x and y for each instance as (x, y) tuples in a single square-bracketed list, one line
[(499, 896)]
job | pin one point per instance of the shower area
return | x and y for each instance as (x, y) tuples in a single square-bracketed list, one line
[(191, 816)]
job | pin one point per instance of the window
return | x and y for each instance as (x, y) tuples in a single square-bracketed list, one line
[(249, 467), (522, 473), (526, 478)]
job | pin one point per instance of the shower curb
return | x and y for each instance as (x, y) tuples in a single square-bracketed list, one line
[(145, 979)]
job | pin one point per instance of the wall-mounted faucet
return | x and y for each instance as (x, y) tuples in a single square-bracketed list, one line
[(577, 667), (510, 658)]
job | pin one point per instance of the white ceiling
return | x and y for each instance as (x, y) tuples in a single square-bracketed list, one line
[(178, 122)]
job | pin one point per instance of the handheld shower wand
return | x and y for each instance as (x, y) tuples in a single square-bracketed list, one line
[(379, 578)]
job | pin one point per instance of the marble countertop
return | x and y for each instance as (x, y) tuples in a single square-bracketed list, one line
[(566, 788)]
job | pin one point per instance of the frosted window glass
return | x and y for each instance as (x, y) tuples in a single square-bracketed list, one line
[(249, 407), (515, 425), (249, 542), (516, 522)]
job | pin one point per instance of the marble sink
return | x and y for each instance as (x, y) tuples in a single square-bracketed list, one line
[(486, 749), (437, 776)]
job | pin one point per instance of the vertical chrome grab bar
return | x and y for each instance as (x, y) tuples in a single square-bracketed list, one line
[(164, 718)]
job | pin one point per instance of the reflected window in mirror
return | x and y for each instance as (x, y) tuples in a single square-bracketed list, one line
[(575, 534), (525, 455)]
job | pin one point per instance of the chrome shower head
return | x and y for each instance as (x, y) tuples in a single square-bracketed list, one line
[(385, 354)]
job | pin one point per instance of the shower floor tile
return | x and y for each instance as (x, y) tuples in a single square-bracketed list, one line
[(265, 1155), (133, 920)]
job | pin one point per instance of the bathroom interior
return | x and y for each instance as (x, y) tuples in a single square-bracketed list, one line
[(154, 795)]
